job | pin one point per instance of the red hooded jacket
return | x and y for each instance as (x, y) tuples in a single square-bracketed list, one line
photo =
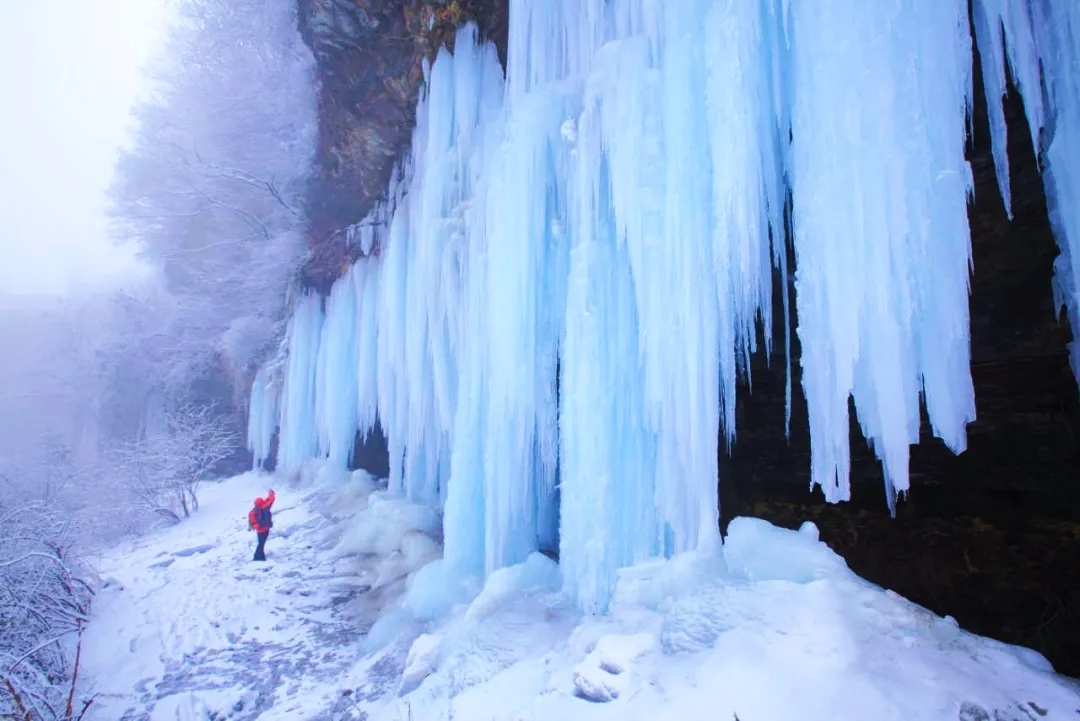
[(264, 503)]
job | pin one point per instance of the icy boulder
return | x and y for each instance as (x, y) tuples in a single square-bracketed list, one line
[(385, 525), (605, 672), (421, 662), (759, 551)]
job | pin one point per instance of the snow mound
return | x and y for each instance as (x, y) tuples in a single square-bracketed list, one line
[(775, 626), (603, 675), (759, 551)]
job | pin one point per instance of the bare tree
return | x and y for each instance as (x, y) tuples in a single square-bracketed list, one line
[(164, 468)]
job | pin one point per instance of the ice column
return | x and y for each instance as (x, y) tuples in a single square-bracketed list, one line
[(879, 185), (478, 119), (679, 177), (262, 416), (336, 379), (608, 515), (365, 282), (298, 441), (525, 219)]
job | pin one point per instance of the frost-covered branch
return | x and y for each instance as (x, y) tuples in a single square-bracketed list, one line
[(44, 601)]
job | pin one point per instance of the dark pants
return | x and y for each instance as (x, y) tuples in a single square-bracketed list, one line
[(260, 550)]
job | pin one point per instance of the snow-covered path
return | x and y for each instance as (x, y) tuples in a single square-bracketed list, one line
[(187, 620), (777, 628)]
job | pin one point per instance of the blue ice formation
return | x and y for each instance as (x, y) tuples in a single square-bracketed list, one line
[(571, 269), (1039, 42)]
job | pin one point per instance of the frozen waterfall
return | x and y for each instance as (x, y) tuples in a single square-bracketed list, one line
[(569, 275)]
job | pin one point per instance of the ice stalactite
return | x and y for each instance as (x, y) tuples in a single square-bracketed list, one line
[(990, 18), (298, 440), (1038, 42), (262, 416), (336, 379), (421, 277), (879, 185), (365, 283), (1059, 40)]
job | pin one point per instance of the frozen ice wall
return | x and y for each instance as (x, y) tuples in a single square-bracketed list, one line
[(677, 163), (573, 267)]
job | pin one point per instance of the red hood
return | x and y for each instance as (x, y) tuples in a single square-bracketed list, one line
[(260, 502)]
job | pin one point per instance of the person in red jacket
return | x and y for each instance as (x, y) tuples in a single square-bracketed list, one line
[(261, 520)]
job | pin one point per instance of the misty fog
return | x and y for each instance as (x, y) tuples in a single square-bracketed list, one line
[(115, 404)]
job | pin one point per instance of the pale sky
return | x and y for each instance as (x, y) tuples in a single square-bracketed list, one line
[(69, 72)]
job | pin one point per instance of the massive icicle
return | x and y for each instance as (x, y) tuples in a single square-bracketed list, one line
[(1059, 41), (298, 440), (365, 283), (262, 416), (990, 18), (879, 185), (336, 379), (424, 266)]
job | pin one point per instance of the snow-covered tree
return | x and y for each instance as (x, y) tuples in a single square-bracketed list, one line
[(212, 186), (166, 465)]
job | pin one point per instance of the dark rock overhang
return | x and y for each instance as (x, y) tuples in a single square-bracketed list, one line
[(370, 56)]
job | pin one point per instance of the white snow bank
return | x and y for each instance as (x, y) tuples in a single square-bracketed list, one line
[(189, 625), (775, 628)]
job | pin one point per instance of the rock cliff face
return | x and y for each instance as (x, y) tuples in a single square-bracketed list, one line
[(991, 537), (370, 56)]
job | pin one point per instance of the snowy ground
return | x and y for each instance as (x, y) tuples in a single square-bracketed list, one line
[(187, 627)]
